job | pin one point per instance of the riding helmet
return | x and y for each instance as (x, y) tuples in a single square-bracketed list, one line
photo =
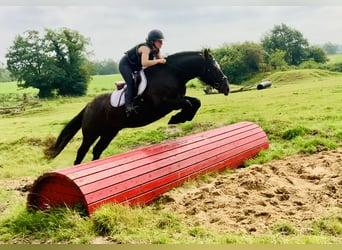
[(154, 35)]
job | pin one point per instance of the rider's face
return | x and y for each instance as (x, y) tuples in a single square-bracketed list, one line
[(158, 43)]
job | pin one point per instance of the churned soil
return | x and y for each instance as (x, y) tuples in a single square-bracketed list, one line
[(296, 190)]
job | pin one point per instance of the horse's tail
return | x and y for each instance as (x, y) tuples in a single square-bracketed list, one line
[(65, 136)]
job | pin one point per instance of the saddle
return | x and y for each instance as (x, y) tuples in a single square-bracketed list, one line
[(137, 79), (117, 98)]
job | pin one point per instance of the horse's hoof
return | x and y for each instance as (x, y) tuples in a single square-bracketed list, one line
[(172, 121), (175, 120)]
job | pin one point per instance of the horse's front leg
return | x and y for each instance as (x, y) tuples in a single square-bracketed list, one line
[(188, 106)]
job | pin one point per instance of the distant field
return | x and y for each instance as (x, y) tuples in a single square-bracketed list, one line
[(103, 83), (11, 87), (335, 58), (98, 85)]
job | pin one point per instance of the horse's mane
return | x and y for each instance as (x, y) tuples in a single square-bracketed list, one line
[(181, 54), (176, 58)]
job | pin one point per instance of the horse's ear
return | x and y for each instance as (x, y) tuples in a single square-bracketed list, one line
[(206, 53)]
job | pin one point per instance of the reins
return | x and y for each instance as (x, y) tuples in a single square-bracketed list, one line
[(185, 73)]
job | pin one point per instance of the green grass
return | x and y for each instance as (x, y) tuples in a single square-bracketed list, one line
[(11, 87), (103, 84), (335, 59), (99, 84), (301, 112), (125, 225)]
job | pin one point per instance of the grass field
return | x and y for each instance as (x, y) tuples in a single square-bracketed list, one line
[(301, 112), (335, 58)]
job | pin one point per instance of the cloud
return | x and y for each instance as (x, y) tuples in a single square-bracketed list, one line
[(114, 27)]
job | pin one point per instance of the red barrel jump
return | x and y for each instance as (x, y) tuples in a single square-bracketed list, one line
[(140, 176)]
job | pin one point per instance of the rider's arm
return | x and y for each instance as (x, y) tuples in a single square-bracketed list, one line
[(159, 56), (145, 61)]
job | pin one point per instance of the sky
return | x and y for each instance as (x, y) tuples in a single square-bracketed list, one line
[(115, 26)]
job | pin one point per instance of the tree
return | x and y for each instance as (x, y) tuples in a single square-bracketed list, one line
[(28, 63), (70, 60), (330, 48), (5, 75), (239, 61), (56, 62), (277, 59), (286, 39), (317, 54), (106, 67)]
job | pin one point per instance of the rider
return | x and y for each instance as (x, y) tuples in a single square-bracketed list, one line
[(141, 56)]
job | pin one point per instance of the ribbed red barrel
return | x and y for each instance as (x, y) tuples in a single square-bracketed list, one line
[(140, 176)]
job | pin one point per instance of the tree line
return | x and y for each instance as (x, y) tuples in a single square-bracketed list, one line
[(280, 48), (99, 67), (57, 62)]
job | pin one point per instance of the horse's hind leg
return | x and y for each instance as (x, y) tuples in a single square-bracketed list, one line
[(82, 151), (188, 110), (103, 143)]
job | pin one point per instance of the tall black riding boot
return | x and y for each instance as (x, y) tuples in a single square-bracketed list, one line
[(129, 104)]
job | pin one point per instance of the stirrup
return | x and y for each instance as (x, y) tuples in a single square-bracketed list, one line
[(131, 109)]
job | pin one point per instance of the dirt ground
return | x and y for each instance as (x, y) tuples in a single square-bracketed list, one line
[(295, 190)]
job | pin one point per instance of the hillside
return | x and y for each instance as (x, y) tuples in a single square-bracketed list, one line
[(298, 75)]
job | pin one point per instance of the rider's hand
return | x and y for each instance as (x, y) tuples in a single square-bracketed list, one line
[(162, 60)]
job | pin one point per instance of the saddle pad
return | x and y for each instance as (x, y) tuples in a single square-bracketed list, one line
[(117, 98)]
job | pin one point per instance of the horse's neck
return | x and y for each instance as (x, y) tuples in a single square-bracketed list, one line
[(190, 65)]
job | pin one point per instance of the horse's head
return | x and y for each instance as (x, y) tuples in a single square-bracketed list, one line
[(213, 74)]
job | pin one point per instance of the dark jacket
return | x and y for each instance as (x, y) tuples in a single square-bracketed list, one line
[(134, 57)]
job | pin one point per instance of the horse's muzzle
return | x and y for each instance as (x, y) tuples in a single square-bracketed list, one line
[(224, 86)]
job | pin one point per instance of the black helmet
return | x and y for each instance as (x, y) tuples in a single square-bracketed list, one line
[(154, 35)]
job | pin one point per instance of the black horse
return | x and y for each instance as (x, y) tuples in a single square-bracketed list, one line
[(164, 93)]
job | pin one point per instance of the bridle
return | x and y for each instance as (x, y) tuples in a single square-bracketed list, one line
[(207, 70)]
